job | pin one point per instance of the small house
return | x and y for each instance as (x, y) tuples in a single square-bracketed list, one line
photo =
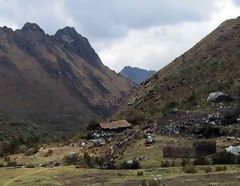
[(118, 125)]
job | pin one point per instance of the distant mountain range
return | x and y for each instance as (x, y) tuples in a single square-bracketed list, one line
[(56, 81), (137, 75)]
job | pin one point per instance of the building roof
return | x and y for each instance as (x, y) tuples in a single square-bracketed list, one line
[(115, 124)]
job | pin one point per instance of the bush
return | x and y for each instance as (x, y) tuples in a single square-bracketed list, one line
[(136, 117), (140, 173), (166, 163), (31, 151), (185, 162), (131, 164), (220, 168), (202, 161), (85, 135), (22, 149), (208, 169), (168, 107), (190, 169), (88, 161), (224, 158), (71, 158), (92, 125)]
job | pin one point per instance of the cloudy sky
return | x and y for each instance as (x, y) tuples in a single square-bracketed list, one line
[(144, 33)]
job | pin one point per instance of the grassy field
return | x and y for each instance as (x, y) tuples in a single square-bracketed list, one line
[(69, 175), (150, 167), (153, 153)]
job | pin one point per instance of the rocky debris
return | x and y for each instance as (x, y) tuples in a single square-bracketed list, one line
[(142, 158), (31, 151), (101, 134), (98, 142), (53, 164), (149, 138), (214, 119), (219, 97)]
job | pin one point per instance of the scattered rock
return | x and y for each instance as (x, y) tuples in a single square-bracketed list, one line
[(219, 97), (31, 151)]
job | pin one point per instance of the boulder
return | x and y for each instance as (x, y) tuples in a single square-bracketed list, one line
[(22, 149), (31, 151), (71, 158), (219, 97)]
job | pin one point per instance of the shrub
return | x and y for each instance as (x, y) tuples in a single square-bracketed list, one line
[(166, 163), (22, 149), (88, 161), (31, 151), (136, 117), (71, 158), (85, 135), (140, 173), (173, 164), (92, 125), (220, 168), (185, 162), (190, 169), (208, 169), (131, 164), (224, 158), (202, 161), (168, 107)]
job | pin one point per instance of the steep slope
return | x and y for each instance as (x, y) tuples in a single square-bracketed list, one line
[(137, 75), (58, 81), (211, 65)]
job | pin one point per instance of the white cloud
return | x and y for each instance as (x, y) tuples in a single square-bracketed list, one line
[(154, 47)]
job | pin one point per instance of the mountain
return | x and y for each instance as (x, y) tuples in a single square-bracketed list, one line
[(212, 65), (57, 81), (137, 75)]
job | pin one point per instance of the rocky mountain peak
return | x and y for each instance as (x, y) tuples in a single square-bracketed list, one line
[(75, 42), (33, 27), (68, 35)]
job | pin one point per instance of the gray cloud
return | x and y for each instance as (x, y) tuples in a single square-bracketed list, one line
[(144, 33), (103, 19)]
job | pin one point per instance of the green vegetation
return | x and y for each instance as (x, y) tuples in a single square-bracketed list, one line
[(169, 106), (133, 164), (208, 169), (190, 169), (225, 158), (220, 168)]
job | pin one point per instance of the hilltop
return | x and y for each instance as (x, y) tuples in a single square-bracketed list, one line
[(137, 75)]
